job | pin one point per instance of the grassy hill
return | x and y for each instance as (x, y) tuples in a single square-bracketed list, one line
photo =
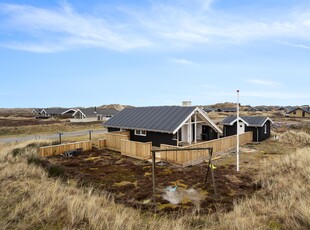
[(32, 197)]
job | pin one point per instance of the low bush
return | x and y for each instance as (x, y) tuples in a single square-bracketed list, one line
[(17, 152), (34, 160), (55, 171)]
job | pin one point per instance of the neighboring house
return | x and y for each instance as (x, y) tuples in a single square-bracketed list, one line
[(250, 109), (209, 110), (258, 124), (93, 114), (57, 112), (227, 110), (36, 111), (300, 112), (262, 108), (172, 125)]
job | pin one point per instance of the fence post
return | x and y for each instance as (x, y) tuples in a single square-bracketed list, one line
[(60, 134), (154, 179)]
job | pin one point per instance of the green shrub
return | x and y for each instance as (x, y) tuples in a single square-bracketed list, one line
[(16, 152), (55, 170), (34, 160)]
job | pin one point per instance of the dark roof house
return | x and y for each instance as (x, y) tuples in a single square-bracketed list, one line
[(260, 126), (300, 112), (55, 112), (93, 114), (228, 110), (165, 124)]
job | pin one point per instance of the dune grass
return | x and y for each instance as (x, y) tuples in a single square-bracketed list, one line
[(31, 199), (48, 128)]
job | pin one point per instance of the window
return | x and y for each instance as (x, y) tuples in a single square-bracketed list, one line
[(265, 128), (303, 114), (294, 112), (140, 132)]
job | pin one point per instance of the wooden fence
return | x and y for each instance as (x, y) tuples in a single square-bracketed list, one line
[(114, 140), (102, 143), (192, 157), (138, 150), (59, 149)]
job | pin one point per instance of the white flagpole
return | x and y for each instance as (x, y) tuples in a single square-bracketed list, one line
[(238, 130)]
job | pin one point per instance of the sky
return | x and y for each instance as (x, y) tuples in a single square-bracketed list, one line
[(68, 53)]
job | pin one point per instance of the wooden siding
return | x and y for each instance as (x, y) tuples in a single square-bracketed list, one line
[(191, 157), (136, 149), (59, 149)]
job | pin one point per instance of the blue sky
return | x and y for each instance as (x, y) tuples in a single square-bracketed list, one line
[(87, 53)]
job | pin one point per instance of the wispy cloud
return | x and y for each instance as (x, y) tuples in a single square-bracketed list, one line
[(302, 46), (52, 30), (263, 82), (276, 95), (170, 24), (189, 26), (181, 61)]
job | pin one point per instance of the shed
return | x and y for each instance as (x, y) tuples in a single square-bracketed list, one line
[(260, 125)]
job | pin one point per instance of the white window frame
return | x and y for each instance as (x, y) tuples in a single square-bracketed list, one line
[(265, 128), (140, 132)]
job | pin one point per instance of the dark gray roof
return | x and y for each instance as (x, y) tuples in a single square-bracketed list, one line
[(55, 110), (158, 118), (228, 109), (306, 109), (93, 112), (251, 120), (207, 110)]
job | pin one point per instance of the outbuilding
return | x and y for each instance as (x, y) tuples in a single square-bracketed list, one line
[(259, 125), (172, 125)]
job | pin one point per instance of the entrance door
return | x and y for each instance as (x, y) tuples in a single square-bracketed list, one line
[(241, 127)]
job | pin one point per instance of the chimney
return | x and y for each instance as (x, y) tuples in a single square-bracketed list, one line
[(95, 109), (186, 103)]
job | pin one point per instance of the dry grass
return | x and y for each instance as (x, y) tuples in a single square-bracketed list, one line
[(284, 201), (29, 199), (48, 128), (295, 138)]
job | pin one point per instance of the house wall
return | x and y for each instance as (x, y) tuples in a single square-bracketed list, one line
[(259, 132), (299, 113), (230, 130), (78, 115), (154, 137), (184, 131)]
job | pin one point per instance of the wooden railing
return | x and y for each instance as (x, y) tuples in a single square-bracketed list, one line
[(192, 157), (138, 150), (62, 148)]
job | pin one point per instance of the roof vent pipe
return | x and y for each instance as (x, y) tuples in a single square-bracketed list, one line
[(186, 103)]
